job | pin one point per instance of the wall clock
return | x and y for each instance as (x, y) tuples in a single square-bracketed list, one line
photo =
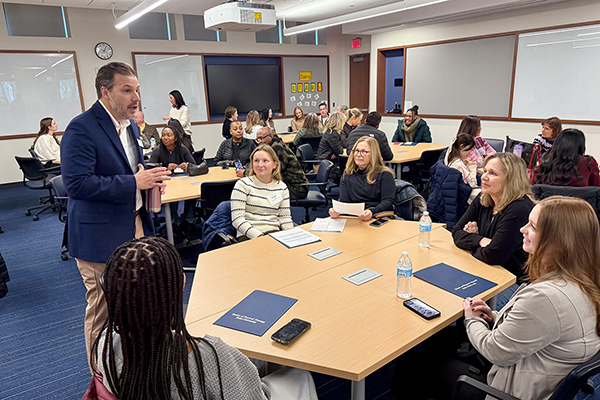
[(103, 50)]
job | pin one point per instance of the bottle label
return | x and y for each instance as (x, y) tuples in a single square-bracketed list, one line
[(404, 273), (424, 227)]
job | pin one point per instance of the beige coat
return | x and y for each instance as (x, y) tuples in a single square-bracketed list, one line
[(546, 329)]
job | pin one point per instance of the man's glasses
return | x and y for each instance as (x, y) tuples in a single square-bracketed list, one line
[(361, 152), (260, 139)]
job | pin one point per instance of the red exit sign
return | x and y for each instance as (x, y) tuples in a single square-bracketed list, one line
[(356, 43)]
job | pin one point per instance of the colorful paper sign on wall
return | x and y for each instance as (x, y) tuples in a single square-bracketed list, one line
[(319, 86), (299, 87), (312, 86), (306, 87), (293, 88), (305, 75)]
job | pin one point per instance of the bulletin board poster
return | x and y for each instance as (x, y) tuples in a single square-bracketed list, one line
[(309, 75), (305, 75)]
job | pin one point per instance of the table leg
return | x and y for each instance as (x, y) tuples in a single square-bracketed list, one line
[(358, 390), (167, 212)]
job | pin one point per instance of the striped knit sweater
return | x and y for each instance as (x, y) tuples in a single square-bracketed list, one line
[(257, 208)]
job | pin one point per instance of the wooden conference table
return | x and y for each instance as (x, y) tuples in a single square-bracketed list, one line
[(184, 187), (355, 329)]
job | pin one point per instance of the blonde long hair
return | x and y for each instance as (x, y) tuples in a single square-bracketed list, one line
[(568, 246), (354, 112), (251, 121), (335, 122), (276, 174), (516, 184), (375, 165)]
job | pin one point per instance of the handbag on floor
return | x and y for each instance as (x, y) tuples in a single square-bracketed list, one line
[(525, 153), (3, 277)]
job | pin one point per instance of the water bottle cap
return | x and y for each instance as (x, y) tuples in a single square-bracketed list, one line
[(405, 253), (425, 212)]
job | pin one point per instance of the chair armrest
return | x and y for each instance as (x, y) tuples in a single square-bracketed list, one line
[(313, 184), (60, 198), (52, 169), (464, 379), (388, 214), (227, 239)]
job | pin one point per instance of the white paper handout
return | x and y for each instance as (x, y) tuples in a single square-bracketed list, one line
[(294, 237), (349, 208), (328, 225)]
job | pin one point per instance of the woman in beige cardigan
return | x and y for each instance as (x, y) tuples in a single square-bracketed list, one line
[(551, 324)]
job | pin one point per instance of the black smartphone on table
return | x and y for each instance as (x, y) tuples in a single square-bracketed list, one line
[(378, 222), (421, 308), (291, 331)]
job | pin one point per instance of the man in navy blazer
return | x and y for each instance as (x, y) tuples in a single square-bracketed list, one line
[(102, 169)]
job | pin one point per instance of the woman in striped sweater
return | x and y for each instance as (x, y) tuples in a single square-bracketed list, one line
[(260, 202)]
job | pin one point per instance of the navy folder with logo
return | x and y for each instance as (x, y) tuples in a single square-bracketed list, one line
[(454, 280), (256, 313)]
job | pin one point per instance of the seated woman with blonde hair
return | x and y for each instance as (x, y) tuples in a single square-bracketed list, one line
[(298, 121), (367, 180), (260, 202), (252, 125)]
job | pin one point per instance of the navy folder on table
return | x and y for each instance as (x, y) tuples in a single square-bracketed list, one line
[(454, 280), (409, 144), (256, 313)]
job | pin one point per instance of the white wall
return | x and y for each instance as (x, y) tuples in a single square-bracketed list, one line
[(88, 27), (443, 130)]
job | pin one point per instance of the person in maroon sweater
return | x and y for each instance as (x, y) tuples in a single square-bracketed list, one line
[(566, 165)]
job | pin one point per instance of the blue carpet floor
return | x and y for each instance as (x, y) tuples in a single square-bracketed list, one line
[(42, 348)]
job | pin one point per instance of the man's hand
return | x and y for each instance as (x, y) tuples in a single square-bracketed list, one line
[(149, 178), (484, 242)]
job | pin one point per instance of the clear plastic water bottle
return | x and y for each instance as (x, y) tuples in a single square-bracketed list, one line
[(425, 230), (403, 275), (518, 150)]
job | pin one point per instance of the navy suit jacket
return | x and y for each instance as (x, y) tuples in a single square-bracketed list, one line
[(100, 185)]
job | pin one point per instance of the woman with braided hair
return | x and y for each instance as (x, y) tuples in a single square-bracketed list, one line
[(145, 350)]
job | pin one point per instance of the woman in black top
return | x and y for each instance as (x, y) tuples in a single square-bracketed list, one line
[(353, 119), (237, 147), (489, 229), (367, 180), (231, 114), (170, 152), (330, 146)]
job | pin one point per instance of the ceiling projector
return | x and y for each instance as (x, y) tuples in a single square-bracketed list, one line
[(240, 16)]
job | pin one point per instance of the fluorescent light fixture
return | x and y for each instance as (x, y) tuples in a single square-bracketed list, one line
[(39, 73), (63, 60), (582, 28), (560, 42), (354, 17), (165, 59), (143, 8)]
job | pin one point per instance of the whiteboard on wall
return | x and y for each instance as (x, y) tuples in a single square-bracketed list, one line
[(461, 78), (309, 72), (159, 74), (35, 86), (558, 74)]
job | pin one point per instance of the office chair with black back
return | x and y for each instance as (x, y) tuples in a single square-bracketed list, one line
[(36, 177), (333, 190), (419, 176), (316, 198), (313, 141), (308, 161), (211, 195), (591, 194), (496, 144), (62, 199), (199, 156), (577, 381)]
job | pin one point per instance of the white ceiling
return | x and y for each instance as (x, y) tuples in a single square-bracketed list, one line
[(402, 12)]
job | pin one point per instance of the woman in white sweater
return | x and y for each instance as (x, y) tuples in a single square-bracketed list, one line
[(260, 202), (179, 111), (46, 145), (552, 324)]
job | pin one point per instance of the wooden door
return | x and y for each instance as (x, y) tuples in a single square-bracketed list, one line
[(359, 82)]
